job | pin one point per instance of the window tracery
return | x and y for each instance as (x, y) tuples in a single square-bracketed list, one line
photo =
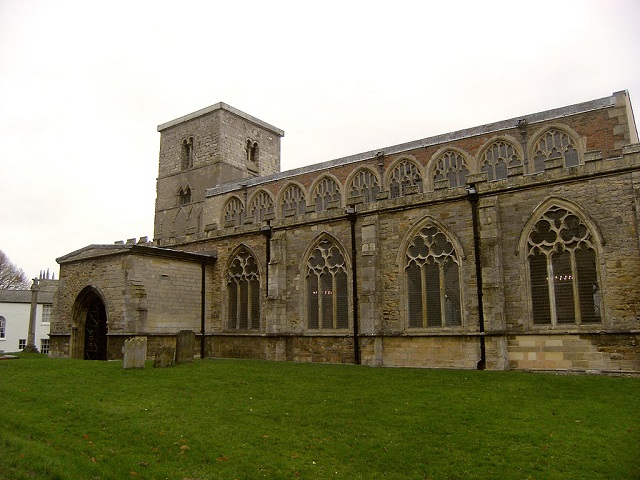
[(234, 212), (326, 191), (498, 158), (261, 205), (243, 292), (451, 166), (433, 280), (293, 201), (563, 270), (404, 175), (326, 283), (365, 184), (554, 144)]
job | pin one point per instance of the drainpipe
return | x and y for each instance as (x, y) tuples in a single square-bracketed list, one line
[(266, 230), (472, 196), (202, 309), (351, 214)]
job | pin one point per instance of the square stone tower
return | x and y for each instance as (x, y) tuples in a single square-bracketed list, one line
[(210, 147)]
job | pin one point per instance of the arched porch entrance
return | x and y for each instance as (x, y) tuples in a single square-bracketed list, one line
[(90, 321)]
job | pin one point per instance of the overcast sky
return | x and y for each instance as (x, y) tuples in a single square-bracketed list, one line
[(84, 85)]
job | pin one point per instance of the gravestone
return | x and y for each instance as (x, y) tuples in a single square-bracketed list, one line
[(185, 343), (134, 352), (164, 357)]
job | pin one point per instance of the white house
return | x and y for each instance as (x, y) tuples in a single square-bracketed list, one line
[(15, 312)]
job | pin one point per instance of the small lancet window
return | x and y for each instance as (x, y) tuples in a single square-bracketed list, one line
[(184, 197), (252, 150), (186, 153)]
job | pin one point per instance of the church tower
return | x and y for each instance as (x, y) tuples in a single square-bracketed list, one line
[(213, 146)]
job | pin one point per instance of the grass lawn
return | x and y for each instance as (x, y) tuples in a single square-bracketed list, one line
[(226, 419)]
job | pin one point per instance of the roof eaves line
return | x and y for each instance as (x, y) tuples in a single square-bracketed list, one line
[(544, 116), (221, 106)]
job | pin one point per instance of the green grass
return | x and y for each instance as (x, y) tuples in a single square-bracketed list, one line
[(72, 419)]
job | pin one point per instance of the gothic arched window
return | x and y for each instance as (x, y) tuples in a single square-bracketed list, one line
[(453, 167), (243, 292), (326, 283), (184, 197), (234, 212), (293, 201), (186, 153), (365, 183), (497, 158), (404, 175), (326, 191), (261, 205), (563, 270), (552, 145), (433, 280)]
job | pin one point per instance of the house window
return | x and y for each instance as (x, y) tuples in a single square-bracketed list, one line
[(326, 283), (47, 308), (243, 292), (251, 146), (326, 192), (497, 158), (22, 342), (404, 175), (365, 183), (186, 153), (44, 346), (453, 167), (234, 213), (3, 327), (184, 197), (553, 145), (261, 206), (433, 280), (563, 272), (293, 202)]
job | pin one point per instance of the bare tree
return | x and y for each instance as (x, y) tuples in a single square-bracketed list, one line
[(12, 277)]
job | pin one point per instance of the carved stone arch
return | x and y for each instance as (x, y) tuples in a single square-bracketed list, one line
[(561, 253), (292, 200), (327, 289), (404, 175), (243, 286), (181, 221), (365, 182), (89, 325), (500, 153), (430, 281), (449, 163), (233, 213), (261, 206), (327, 192), (543, 152)]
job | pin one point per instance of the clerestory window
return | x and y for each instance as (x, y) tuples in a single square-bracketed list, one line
[(453, 167), (234, 213), (326, 283), (243, 292), (261, 206), (497, 158), (326, 192), (553, 145), (365, 183), (433, 280), (293, 201), (563, 270), (404, 175)]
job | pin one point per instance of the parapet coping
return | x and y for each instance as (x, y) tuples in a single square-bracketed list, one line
[(544, 116), (101, 250), (228, 108)]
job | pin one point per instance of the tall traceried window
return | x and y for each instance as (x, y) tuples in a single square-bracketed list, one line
[(186, 153), (243, 292), (365, 183), (234, 212), (261, 205), (563, 270), (293, 201), (326, 283), (433, 280), (497, 158), (453, 167), (404, 175), (552, 145), (326, 191)]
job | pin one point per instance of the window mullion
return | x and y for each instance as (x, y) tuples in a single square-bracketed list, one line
[(238, 304), (423, 291), (552, 290)]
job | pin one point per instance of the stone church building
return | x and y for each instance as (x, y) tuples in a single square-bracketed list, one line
[(513, 245)]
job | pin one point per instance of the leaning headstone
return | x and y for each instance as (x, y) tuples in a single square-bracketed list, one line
[(134, 353), (164, 357), (185, 343)]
